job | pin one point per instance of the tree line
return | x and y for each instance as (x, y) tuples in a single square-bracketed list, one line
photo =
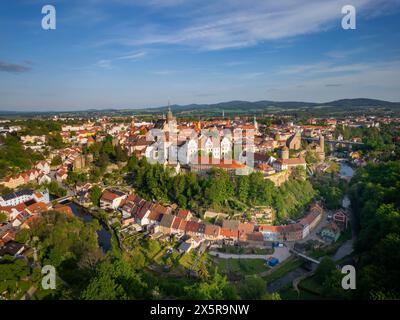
[(218, 190)]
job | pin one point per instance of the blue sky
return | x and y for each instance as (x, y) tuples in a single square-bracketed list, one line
[(134, 54)]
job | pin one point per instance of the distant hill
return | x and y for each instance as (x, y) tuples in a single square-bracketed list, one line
[(235, 106), (276, 106)]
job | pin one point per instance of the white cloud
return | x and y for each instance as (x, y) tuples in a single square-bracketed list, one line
[(133, 56), (107, 63), (231, 23)]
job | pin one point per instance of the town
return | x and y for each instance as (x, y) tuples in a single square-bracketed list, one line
[(256, 195)]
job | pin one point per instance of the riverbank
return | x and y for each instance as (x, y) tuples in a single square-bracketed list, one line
[(297, 274), (104, 234)]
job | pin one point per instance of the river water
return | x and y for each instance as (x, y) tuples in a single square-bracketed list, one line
[(103, 235), (345, 170)]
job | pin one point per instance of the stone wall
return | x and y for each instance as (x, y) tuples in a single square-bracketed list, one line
[(279, 178)]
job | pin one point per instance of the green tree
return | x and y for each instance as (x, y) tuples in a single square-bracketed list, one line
[(3, 218), (252, 288), (95, 195)]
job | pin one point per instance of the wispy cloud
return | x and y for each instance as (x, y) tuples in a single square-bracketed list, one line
[(322, 67), (251, 75), (104, 63), (107, 63), (163, 72), (13, 67), (225, 24), (133, 56)]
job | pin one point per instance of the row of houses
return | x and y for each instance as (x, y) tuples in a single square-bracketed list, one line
[(39, 174), (21, 209), (296, 231), (162, 220)]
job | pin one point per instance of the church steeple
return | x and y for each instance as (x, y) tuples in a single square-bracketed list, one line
[(170, 116), (255, 122)]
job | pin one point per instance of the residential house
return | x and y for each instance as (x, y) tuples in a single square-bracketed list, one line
[(111, 199), (331, 232)]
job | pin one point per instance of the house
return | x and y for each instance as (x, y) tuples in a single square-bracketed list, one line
[(270, 233), (13, 182), (12, 248), (212, 232), (340, 218), (245, 228), (142, 213), (285, 164), (195, 229), (203, 164), (184, 214), (230, 229), (331, 232), (166, 223), (7, 236), (292, 232), (111, 199), (43, 166), (253, 238), (43, 179), (61, 174), (22, 196), (311, 220)]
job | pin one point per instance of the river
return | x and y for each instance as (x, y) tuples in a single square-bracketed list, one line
[(345, 170), (345, 249), (103, 235)]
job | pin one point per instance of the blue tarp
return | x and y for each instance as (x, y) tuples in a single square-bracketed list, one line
[(273, 262)]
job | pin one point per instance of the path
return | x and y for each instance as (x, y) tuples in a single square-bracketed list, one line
[(280, 253), (29, 294)]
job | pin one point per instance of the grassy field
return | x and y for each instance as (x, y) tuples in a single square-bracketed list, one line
[(287, 266), (242, 266), (243, 250), (310, 285), (288, 293)]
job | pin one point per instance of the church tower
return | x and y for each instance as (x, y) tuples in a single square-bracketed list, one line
[(170, 116), (284, 153), (321, 143)]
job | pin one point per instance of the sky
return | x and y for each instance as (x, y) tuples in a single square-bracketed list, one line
[(144, 53)]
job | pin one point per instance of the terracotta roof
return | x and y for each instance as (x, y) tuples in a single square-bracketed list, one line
[(219, 163), (254, 236), (212, 230), (176, 223), (110, 195), (192, 226), (63, 209), (293, 161), (155, 216), (229, 232), (268, 228), (183, 213), (37, 207)]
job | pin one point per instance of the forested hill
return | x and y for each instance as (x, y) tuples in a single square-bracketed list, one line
[(374, 193), (237, 107)]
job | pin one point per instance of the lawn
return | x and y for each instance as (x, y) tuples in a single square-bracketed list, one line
[(245, 250), (287, 266), (310, 285), (288, 293), (242, 266)]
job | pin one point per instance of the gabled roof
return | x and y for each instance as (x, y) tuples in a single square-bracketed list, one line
[(212, 230), (167, 220)]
